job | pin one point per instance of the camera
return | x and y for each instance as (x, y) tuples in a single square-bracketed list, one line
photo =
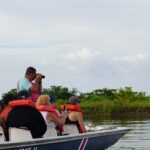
[(43, 76)]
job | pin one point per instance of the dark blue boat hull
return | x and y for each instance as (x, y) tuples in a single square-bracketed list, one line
[(88, 141)]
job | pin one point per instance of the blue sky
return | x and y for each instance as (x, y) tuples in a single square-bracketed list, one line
[(83, 44)]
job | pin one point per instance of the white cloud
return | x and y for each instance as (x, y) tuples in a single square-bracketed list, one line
[(83, 54), (136, 59)]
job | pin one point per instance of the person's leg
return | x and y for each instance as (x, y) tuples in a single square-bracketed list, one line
[(3, 124)]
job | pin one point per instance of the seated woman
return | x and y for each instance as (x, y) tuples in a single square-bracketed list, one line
[(52, 115), (75, 115), (24, 114)]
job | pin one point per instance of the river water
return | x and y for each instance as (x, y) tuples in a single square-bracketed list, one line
[(138, 138)]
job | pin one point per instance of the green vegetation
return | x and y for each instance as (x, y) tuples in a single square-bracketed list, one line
[(103, 101)]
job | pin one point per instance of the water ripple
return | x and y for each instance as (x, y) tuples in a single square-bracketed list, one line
[(138, 138)]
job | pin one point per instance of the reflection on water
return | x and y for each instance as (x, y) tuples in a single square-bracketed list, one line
[(138, 138)]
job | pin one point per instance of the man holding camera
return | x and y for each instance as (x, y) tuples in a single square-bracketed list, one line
[(32, 82)]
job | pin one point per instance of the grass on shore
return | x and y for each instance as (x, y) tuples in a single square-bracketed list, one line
[(111, 107)]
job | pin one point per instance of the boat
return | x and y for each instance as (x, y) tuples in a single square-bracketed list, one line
[(95, 139)]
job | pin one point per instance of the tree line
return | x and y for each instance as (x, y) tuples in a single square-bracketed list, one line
[(63, 93), (102, 101)]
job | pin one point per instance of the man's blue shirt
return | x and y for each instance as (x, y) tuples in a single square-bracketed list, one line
[(24, 84)]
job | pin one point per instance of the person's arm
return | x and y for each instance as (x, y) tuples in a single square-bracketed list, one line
[(81, 123), (52, 118), (37, 85), (40, 87), (18, 86)]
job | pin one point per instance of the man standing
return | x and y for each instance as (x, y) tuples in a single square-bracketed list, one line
[(32, 82)]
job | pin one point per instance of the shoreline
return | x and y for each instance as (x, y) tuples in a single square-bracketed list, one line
[(125, 116)]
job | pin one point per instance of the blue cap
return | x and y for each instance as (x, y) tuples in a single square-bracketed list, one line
[(74, 100)]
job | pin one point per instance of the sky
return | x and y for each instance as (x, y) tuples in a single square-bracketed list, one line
[(83, 44)]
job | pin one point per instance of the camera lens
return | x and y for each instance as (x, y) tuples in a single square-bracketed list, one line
[(43, 76)]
